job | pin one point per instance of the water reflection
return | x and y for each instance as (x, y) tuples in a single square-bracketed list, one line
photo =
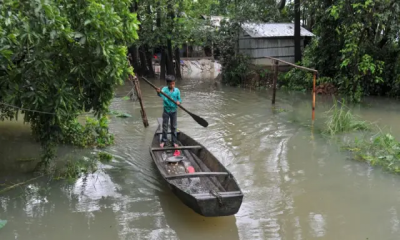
[(295, 186), (317, 224), (93, 192), (187, 224), (43, 211)]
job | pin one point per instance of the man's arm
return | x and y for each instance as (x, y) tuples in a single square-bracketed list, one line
[(158, 93)]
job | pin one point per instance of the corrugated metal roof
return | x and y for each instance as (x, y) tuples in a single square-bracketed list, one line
[(264, 30)]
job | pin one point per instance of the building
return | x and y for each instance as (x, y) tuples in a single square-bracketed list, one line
[(270, 39), (215, 21), (210, 23)]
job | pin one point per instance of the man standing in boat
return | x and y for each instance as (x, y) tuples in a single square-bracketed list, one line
[(170, 109)]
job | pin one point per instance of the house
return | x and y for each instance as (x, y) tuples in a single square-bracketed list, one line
[(210, 23), (270, 39), (215, 21)]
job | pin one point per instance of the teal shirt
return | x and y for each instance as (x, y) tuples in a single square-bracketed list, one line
[(175, 95)]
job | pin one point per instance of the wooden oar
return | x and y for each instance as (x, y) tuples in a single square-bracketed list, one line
[(198, 119)]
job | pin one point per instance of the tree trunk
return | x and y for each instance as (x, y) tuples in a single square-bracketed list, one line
[(282, 4), (178, 64), (297, 37), (311, 22), (170, 64), (133, 51), (133, 7), (163, 61), (143, 62), (162, 64), (149, 58), (149, 55)]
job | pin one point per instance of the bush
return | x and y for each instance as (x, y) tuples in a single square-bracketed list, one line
[(236, 69), (93, 133)]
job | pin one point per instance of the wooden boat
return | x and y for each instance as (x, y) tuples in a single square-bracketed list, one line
[(210, 190)]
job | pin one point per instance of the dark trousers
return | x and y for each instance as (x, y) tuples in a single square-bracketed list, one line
[(172, 117)]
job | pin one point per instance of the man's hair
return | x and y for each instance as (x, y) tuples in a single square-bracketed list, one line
[(170, 78)]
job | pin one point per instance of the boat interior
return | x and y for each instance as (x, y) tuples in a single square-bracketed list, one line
[(184, 166)]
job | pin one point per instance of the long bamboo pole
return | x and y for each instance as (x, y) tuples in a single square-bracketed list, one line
[(136, 83), (139, 95), (291, 64)]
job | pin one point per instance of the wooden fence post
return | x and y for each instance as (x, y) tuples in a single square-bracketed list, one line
[(139, 95), (313, 101), (276, 61), (274, 81)]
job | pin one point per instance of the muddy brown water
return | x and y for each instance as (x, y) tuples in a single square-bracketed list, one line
[(297, 185)]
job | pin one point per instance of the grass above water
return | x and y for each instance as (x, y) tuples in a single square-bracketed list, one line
[(340, 120), (382, 149)]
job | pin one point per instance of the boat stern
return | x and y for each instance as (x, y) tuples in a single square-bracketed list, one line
[(216, 204), (212, 204)]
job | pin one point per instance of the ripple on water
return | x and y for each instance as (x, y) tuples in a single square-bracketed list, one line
[(295, 186)]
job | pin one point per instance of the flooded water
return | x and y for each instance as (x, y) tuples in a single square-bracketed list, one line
[(297, 184)]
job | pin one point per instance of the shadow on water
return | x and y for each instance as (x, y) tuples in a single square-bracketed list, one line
[(189, 225)]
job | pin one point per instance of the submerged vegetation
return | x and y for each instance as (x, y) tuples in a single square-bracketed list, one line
[(75, 168), (104, 157), (381, 150), (120, 114), (2, 223)]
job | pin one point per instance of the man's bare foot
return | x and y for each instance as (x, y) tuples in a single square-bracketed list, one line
[(162, 144)]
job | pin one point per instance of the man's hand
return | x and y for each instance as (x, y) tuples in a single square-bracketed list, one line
[(158, 90), (179, 103)]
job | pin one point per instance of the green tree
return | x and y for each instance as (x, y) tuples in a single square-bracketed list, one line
[(235, 66), (357, 46), (166, 25), (62, 57)]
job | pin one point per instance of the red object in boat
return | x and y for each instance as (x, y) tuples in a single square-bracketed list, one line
[(190, 169), (177, 153)]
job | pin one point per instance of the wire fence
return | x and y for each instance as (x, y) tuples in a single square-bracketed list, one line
[(25, 109)]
